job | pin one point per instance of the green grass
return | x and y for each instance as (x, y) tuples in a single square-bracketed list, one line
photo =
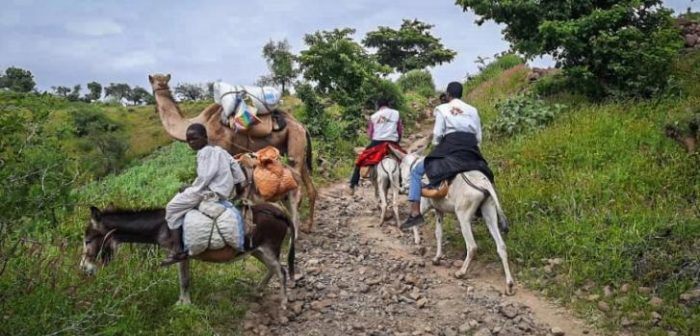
[(605, 190), (41, 291)]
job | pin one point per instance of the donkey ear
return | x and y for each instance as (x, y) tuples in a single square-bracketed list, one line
[(95, 213), (167, 77), (150, 78)]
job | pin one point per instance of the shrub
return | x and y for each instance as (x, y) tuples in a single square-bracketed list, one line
[(419, 81), (523, 113), (492, 70), (606, 48)]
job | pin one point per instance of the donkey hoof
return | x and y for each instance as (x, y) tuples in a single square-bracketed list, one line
[(510, 289), (436, 261), (184, 302), (460, 274)]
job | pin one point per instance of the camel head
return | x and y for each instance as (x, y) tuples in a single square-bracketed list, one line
[(159, 81)]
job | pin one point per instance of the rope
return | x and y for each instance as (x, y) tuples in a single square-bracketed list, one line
[(104, 240)]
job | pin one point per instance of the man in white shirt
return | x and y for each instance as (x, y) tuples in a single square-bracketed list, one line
[(384, 126), (456, 136), (217, 172)]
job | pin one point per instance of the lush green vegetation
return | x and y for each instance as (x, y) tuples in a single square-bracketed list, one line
[(621, 48), (41, 291), (605, 190)]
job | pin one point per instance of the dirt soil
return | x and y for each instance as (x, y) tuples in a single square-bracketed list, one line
[(356, 277)]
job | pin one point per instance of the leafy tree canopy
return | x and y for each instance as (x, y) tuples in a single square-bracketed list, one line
[(611, 47), (411, 47), (17, 79), (281, 63)]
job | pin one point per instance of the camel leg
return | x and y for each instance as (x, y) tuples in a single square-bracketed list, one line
[(439, 216), (491, 219), (464, 216), (184, 275), (293, 200), (311, 195)]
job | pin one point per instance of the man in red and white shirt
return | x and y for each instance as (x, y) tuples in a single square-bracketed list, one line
[(384, 127)]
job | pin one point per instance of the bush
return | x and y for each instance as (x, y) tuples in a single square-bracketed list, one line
[(492, 70), (523, 113), (385, 89), (419, 81), (550, 85), (103, 141), (606, 48)]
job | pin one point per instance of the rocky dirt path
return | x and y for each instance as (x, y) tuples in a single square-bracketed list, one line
[(356, 278)]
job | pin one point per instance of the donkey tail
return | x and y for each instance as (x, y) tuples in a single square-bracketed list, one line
[(502, 219)]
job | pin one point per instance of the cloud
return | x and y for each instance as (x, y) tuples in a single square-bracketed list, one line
[(94, 27), (132, 60)]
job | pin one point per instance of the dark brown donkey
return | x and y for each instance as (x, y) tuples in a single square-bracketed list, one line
[(109, 228)]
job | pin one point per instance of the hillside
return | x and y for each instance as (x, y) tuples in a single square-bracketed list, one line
[(603, 206)]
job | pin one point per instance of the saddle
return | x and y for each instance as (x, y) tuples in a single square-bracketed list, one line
[(264, 126), (439, 193)]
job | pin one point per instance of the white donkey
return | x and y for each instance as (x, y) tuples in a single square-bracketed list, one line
[(468, 192), (385, 176)]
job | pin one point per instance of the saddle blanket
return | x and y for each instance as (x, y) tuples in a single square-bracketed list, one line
[(374, 155), (212, 226)]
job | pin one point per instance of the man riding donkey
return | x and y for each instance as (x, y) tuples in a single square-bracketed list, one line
[(217, 173), (384, 129), (456, 136)]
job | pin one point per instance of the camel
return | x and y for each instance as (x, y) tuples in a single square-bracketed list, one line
[(294, 140)]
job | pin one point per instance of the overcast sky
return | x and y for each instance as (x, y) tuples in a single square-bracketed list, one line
[(77, 41)]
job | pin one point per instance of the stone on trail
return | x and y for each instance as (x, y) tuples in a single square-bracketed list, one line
[(556, 331), (603, 306)]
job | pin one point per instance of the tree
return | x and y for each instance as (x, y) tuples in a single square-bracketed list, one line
[(139, 96), (118, 91), (189, 91), (616, 47), (419, 81), (17, 79), (409, 48), (74, 95), (61, 91), (340, 67), (95, 89), (281, 63)]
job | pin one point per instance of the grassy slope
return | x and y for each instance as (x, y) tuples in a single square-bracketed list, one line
[(603, 189), (133, 295), (143, 125)]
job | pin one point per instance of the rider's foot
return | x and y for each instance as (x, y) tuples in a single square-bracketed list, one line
[(174, 258), (412, 221), (351, 191)]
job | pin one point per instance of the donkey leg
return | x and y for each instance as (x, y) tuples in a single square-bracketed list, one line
[(491, 218), (382, 201), (395, 205), (258, 254), (464, 216), (184, 275), (438, 237), (273, 264)]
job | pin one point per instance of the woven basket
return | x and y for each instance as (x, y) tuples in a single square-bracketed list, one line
[(272, 179)]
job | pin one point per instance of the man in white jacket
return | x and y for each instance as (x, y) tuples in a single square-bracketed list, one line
[(217, 172), (384, 126)]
